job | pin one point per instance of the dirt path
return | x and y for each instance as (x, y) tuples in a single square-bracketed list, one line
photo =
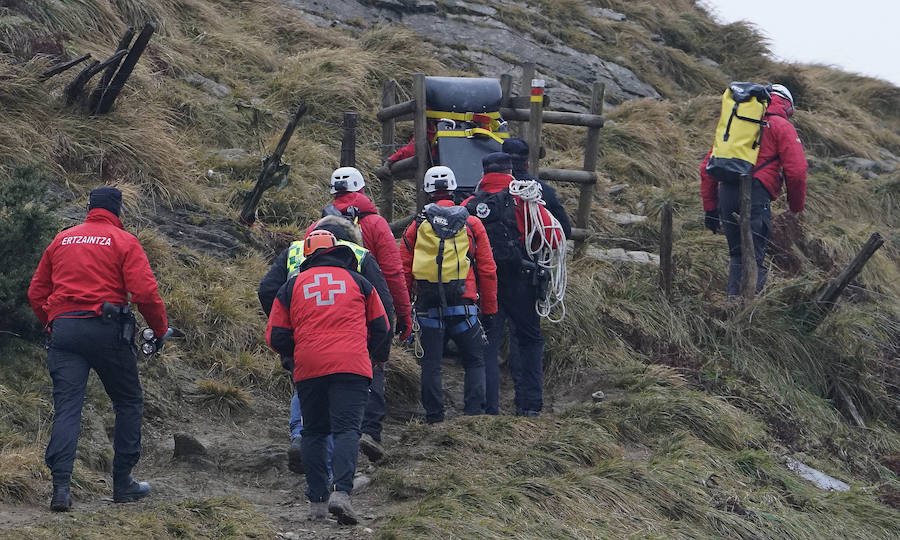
[(247, 457)]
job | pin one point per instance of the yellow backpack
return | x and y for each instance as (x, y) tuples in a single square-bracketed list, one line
[(739, 132), (440, 257)]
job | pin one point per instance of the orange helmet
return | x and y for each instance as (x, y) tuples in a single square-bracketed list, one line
[(317, 240)]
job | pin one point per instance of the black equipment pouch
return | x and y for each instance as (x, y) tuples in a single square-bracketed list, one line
[(537, 277), (126, 318), (121, 315), (110, 313)]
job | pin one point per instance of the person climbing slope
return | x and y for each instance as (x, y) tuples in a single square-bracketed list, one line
[(327, 318), (781, 161)]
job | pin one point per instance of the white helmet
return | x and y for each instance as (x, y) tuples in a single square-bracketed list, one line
[(346, 179), (781, 90), (440, 178)]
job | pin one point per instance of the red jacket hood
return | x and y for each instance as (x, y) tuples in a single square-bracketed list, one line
[(494, 182), (102, 215), (357, 199), (779, 106)]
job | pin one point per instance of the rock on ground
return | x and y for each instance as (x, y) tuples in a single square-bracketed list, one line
[(619, 255)]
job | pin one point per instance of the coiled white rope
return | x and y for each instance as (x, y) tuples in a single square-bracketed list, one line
[(539, 246)]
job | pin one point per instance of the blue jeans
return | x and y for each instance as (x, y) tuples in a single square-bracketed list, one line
[(77, 346), (516, 298), (471, 350), (334, 405)]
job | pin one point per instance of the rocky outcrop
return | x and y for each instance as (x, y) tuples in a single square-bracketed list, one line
[(619, 255), (205, 234), (867, 168), (484, 43)]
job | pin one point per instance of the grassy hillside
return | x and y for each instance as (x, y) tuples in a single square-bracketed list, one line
[(705, 399)]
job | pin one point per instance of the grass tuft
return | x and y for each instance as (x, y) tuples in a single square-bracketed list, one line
[(223, 396)]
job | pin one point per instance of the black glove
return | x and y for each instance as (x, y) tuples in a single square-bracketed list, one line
[(287, 362), (711, 221), (487, 321)]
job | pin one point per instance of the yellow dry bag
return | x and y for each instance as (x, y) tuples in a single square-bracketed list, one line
[(440, 257), (739, 131)]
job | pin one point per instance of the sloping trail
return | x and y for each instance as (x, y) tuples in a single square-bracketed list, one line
[(247, 458)]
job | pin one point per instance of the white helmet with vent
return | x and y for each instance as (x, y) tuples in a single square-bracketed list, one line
[(782, 91), (346, 179), (439, 178)]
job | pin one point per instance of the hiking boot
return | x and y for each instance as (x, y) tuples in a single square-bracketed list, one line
[(295, 457), (370, 448), (318, 511), (128, 490), (339, 505), (62, 498), (527, 413)]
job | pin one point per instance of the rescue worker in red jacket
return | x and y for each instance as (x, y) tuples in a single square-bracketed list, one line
[(463, 327), (328, 317), (516, 293), (287, 264), (348, 188), (80, 293), (781, 161)]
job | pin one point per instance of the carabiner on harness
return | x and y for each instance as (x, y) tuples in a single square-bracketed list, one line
[(418, 351)]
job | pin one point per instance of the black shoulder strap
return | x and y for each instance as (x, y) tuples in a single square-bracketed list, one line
[(764, 163)]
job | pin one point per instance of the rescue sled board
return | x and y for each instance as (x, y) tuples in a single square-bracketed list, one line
[(463, 155), (463, 94)]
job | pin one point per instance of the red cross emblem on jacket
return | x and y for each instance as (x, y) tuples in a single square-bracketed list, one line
[(324, 293)]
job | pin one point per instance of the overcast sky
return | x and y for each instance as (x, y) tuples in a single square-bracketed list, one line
[(861, 36)]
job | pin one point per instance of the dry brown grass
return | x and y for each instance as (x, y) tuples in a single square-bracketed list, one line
[(23, 476), (689, 449), (223, 397)]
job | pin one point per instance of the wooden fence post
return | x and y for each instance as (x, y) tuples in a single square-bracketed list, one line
[(528, 71), (591, 150), (57, 69), (94, 99), (388, 98), (535, 125), (348, 140), (420, 132), (825, 302), (506, 82), (665, 249), (273, 170), (118, 82), (749, 271), (74, 88)]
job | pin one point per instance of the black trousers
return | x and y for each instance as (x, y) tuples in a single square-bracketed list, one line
[(516, 298), (376, 406), (77, 345), (471, 349), (760, 227), (332, 404)]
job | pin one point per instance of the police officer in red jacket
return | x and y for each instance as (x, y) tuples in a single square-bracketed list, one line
[(80, 293), (328, 317), (781, 161)]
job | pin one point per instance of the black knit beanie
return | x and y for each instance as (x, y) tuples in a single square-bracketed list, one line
[(108, 198)]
